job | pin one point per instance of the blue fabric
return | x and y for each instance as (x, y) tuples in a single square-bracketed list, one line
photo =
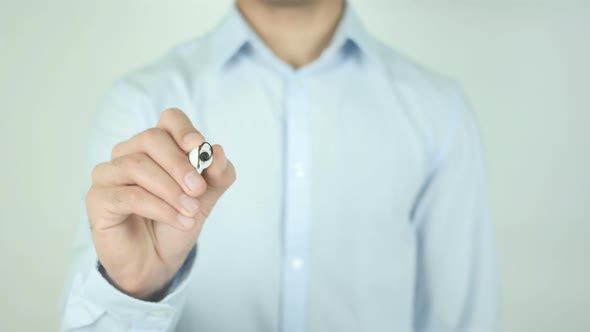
[(182, 271), (360, 202)]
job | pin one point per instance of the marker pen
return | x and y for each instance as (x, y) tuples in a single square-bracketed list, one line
[(201, 157)]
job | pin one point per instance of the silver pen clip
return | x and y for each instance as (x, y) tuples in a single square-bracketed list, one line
[(201, 157)]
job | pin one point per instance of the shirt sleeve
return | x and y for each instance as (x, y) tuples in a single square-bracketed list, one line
[(456, 287), (89, 302)]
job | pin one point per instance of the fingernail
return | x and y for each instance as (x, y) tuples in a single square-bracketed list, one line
[(193, 140), (190, 205), (187, 222), (225, 164), (193, 181)]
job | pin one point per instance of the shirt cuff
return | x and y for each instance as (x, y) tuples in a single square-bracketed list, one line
[(93, 300)]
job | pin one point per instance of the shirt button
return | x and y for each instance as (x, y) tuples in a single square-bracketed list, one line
[(299, 170), (297, 263)]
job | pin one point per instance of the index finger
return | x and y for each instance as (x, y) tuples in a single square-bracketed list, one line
[(180, 127)]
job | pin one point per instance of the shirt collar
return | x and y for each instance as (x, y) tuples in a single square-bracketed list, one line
[(351, 30), (230, 36), (234, 34)]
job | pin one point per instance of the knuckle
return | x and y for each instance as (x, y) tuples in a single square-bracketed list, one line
[(134, 162), (152, 135), (96, 172), (118, 162), (116, 151), (90, 197), (170, 113)]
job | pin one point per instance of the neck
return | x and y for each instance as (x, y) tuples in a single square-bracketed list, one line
[(297, 31)]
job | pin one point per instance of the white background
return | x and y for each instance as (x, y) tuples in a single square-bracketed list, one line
[(525, 65)]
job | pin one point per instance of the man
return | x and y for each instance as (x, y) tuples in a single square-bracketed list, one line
[(360, 202)]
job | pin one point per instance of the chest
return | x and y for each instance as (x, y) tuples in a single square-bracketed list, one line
[(363, 164)]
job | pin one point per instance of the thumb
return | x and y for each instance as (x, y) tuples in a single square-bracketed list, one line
[(219, 176)]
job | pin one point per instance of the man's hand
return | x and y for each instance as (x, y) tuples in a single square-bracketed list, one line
[(148, 204)]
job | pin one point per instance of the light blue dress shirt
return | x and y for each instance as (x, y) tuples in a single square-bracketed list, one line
[(360, 202)]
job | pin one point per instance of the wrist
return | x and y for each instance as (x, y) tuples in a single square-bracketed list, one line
[(140, 288)]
